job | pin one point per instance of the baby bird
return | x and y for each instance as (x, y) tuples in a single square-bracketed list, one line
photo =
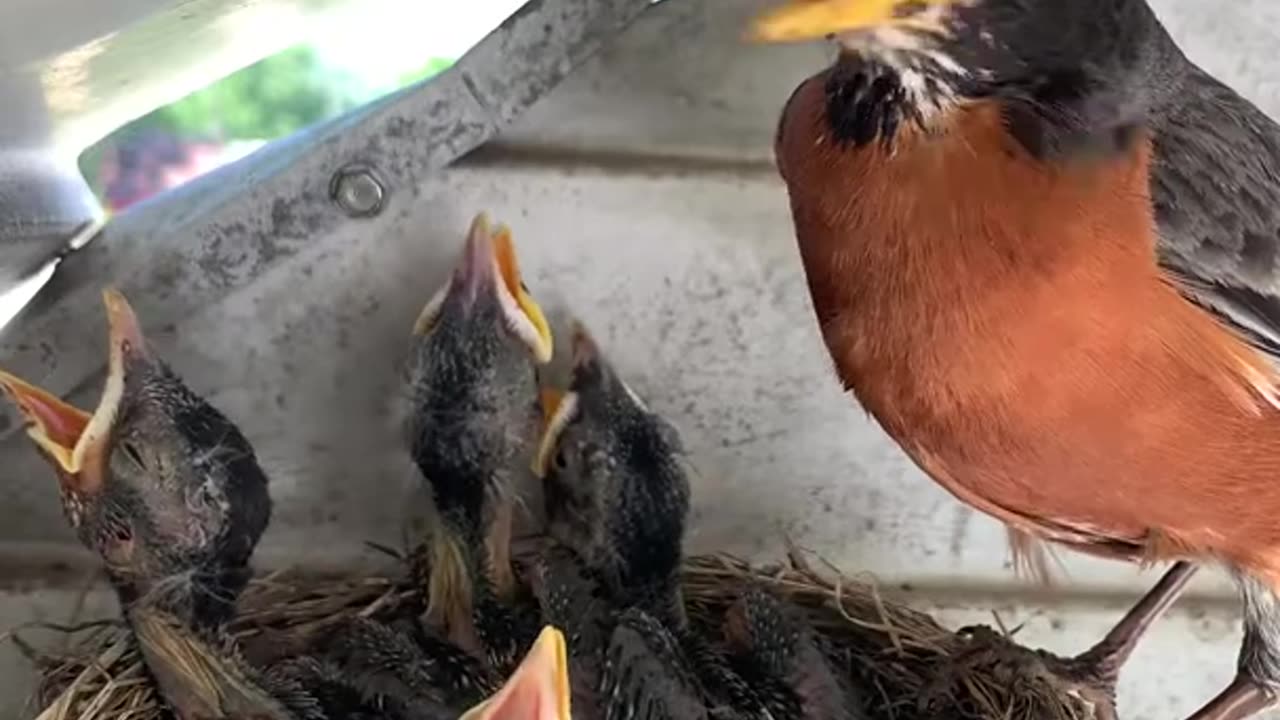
[(169, 493), (471, 428), (617, 498), (646, 675), (780, 657), (536, 690), (615, 488), (626, 665), (421, 674)]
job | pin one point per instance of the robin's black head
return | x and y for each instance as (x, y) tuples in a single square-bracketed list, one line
[(615, 485), (1092, 64), (156, 480), (473, 392)]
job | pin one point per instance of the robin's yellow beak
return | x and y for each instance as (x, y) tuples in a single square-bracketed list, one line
[(68, 436), (537, 690), (813, 19)]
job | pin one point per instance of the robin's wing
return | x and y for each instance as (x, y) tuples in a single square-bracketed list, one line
[(1216, 190)]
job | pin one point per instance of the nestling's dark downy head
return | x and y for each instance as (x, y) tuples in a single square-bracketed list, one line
[(759, 625), (614, 479), (1083, 61), (473, 391), (156, 480), (780, 653)]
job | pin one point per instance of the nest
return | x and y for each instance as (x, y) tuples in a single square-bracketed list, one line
[(908, 666)]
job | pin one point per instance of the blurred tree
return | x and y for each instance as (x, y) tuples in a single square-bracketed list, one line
[(271, 98), (268, 99)]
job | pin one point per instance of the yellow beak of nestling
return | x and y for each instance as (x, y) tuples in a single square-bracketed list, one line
[(489, 265), (537, 690), (812, 19), (53, 425), (68, 436), (558, 408)]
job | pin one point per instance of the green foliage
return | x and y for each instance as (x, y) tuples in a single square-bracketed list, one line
[(269, 99)]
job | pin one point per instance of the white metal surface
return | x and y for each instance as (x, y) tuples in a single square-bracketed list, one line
[(642, 197)]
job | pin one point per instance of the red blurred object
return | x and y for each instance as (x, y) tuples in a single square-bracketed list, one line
[(147, 163)]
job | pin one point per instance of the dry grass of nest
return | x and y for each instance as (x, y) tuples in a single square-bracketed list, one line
[(909, 667)]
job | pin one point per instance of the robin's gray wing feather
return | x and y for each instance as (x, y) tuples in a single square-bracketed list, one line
[(1216, 191)]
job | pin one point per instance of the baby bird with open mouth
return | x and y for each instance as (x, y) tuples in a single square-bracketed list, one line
[(471, 429), (169, 493)]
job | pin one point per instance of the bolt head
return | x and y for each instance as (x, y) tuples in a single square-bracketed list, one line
[(357, 191)]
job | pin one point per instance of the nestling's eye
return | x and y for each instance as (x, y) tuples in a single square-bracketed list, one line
[(134, 455), (117, 544), (560, 461)]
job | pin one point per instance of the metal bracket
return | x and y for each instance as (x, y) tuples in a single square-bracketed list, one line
[(191, 247)]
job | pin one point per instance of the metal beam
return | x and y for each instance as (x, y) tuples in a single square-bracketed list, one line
[(189, 248)]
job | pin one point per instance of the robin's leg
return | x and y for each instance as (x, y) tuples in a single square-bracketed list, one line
[(1098, 668), (1105, 658), (1258, 677)]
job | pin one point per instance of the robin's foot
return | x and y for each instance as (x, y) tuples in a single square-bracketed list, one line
[(1099, 667), (1094, 672), (1254, 688), (1243, 698), (1022, 676)]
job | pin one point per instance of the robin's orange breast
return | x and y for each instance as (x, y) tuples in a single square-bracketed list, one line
[(1006, 322)]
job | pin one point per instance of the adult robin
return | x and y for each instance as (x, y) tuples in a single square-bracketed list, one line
[(472, 418), (1042, 247)]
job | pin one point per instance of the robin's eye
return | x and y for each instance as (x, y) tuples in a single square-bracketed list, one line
[(122, 533)]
